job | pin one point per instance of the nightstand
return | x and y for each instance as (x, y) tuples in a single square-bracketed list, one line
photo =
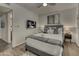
[(68, 36)]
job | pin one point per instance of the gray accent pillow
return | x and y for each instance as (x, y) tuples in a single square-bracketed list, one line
[(56, 31)]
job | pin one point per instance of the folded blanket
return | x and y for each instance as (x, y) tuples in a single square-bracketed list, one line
[(43, 49), (47, 40), (36, 51)]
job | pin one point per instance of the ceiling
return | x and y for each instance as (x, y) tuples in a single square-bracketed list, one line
[(3, 9), (50, 8)]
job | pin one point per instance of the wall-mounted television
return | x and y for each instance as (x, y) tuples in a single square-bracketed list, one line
[(31, 24)]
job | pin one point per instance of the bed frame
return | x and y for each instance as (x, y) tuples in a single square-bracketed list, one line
[(45, 29)]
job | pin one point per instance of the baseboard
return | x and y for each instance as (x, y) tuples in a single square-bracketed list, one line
[(17, 45), (77, 44), (4, 40)]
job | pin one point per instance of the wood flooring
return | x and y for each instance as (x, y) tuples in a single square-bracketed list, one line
[(70, 49)]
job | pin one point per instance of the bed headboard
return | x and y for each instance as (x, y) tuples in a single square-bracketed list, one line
[(54, 27)]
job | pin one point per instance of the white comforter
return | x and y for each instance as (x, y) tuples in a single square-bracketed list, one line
[(51, 36)]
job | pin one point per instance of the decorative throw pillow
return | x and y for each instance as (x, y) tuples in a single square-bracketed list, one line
[(60, 30), (55, 30), (50, 31)]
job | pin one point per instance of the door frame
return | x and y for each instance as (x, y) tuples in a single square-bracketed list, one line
[(11, 32)]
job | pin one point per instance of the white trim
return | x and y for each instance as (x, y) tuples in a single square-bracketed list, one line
[(13, 46), (76, 24)]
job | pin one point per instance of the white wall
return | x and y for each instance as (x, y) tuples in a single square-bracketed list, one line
[(67, 18), (20, 15), (0, 28), (77, 24)]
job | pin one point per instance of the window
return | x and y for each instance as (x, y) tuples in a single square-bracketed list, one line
[(53, 19)]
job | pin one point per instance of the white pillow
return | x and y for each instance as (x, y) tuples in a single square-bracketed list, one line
[(41, 29), (50, 31), (60, 31)]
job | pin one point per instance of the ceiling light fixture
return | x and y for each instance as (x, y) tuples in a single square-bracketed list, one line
[(44, 4)]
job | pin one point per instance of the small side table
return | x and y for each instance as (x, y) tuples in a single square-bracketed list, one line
[(68, 36)]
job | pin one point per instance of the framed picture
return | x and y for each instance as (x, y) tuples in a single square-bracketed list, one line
[(31, 24)]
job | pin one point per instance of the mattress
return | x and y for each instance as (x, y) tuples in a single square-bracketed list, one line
[(45, 47)]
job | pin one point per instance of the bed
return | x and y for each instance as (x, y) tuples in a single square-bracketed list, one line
[(48, 43)]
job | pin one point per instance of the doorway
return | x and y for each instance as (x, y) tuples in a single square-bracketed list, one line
[(5, 28)]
